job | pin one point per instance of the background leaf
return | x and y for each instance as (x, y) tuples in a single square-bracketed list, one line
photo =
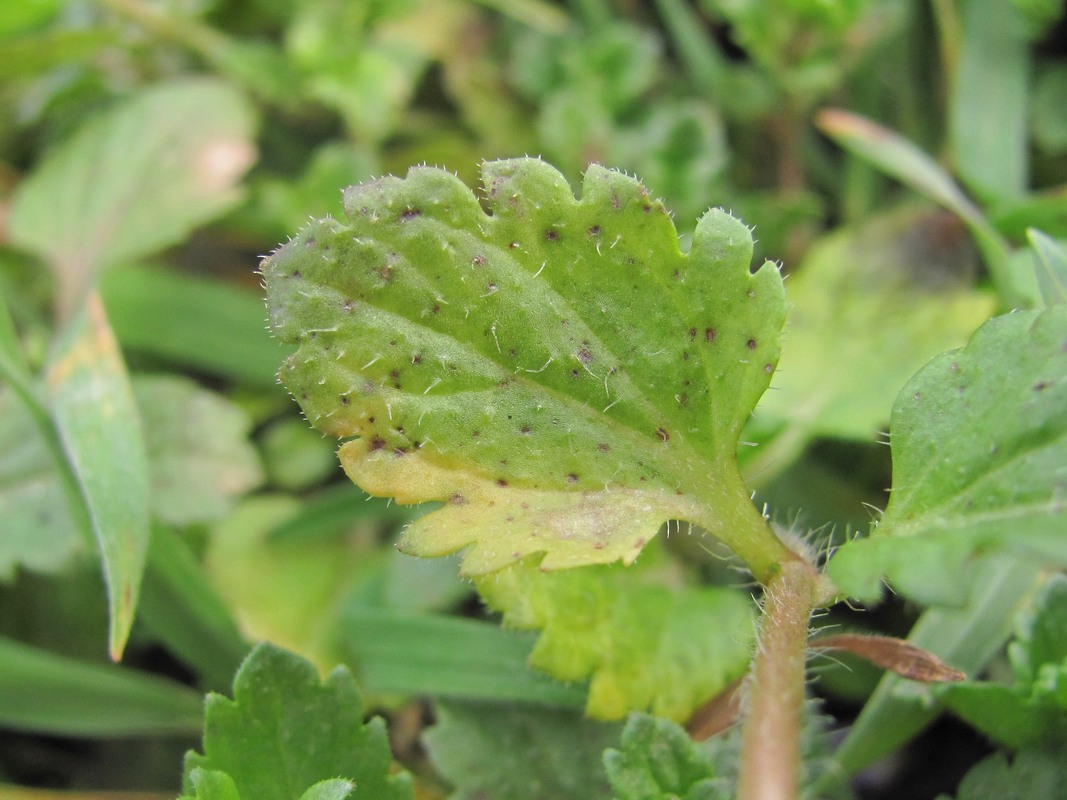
[(488, 751), (500, 363), (135, 180), (642, 640), (979, 445), (100, 427)]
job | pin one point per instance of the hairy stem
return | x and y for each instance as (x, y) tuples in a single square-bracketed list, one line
[(770, 748)]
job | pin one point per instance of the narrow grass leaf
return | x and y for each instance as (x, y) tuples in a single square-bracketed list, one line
[(99, 424), (1050, 261)]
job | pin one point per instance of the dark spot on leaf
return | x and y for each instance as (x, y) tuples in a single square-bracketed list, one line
[(394, 374), (551, 235), (584, 355), (435, 308), (600, 545), (594, 231), (410, 213), (693, 334), (751, 293), (768, 368), (345, 401), (457, 499), (751, 344), (310, 242), (371, 420), (512, 352), (501, 482), (572, 478), (377, 443), (478, 261), (646, 208), (685, 355), (683, 399), (710, 334), (603, 447), (349, 305), (524, 430), (416, 359), (1041, 385), (295, 274), (574, 374), (513, 245), (663, 435), (490, 288), (386, 273), (475, 434)]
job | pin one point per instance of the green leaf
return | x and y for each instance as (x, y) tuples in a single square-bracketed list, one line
[(1050, 261), (904, 161), (912, 272), (559, 372), (627, 629), (206, 784), (213, 327), (487, 750), (1031, 773), (285, 731), (399, 651), (979, 441), (52, 694), (657, 760), (135, 180), (992, 71), (199, 454), (1032, 711), (98, 422)]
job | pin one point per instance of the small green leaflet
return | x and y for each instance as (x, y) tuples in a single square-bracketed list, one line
[(285, 733), (979, 441), (656, 760), (556, 371)]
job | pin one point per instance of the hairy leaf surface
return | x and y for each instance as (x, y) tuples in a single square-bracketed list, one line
[(557, 370), (641, 642), (979, 461), (284, 732), (489, 750)]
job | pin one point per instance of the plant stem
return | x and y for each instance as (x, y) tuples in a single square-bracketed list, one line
[(770, 746)]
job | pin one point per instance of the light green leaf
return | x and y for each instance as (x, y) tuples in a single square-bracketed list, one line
[(199, 454), (135, 180), (212, 784), (1050, 261), (98, 422), (486, 750), (657, 760), (559, 372), (979, 441), (869, 306), (334, 789), (285, 731), (636, 637), (52, 694)]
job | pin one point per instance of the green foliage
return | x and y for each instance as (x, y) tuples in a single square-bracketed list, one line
[(284, 732), (1032, 712), (657, 760), (445, 338), (963, 482), (520, 753), (632, 634), (150, 151)]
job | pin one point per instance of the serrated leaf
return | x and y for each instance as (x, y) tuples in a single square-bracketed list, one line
[(487, 750), (558, 372), (1039, 772), (657, 760), (134, 180), (979, 440), (284, 732), (626, 629)]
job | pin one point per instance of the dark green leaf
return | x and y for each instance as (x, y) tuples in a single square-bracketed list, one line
[(286, 731), (519, 753)]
